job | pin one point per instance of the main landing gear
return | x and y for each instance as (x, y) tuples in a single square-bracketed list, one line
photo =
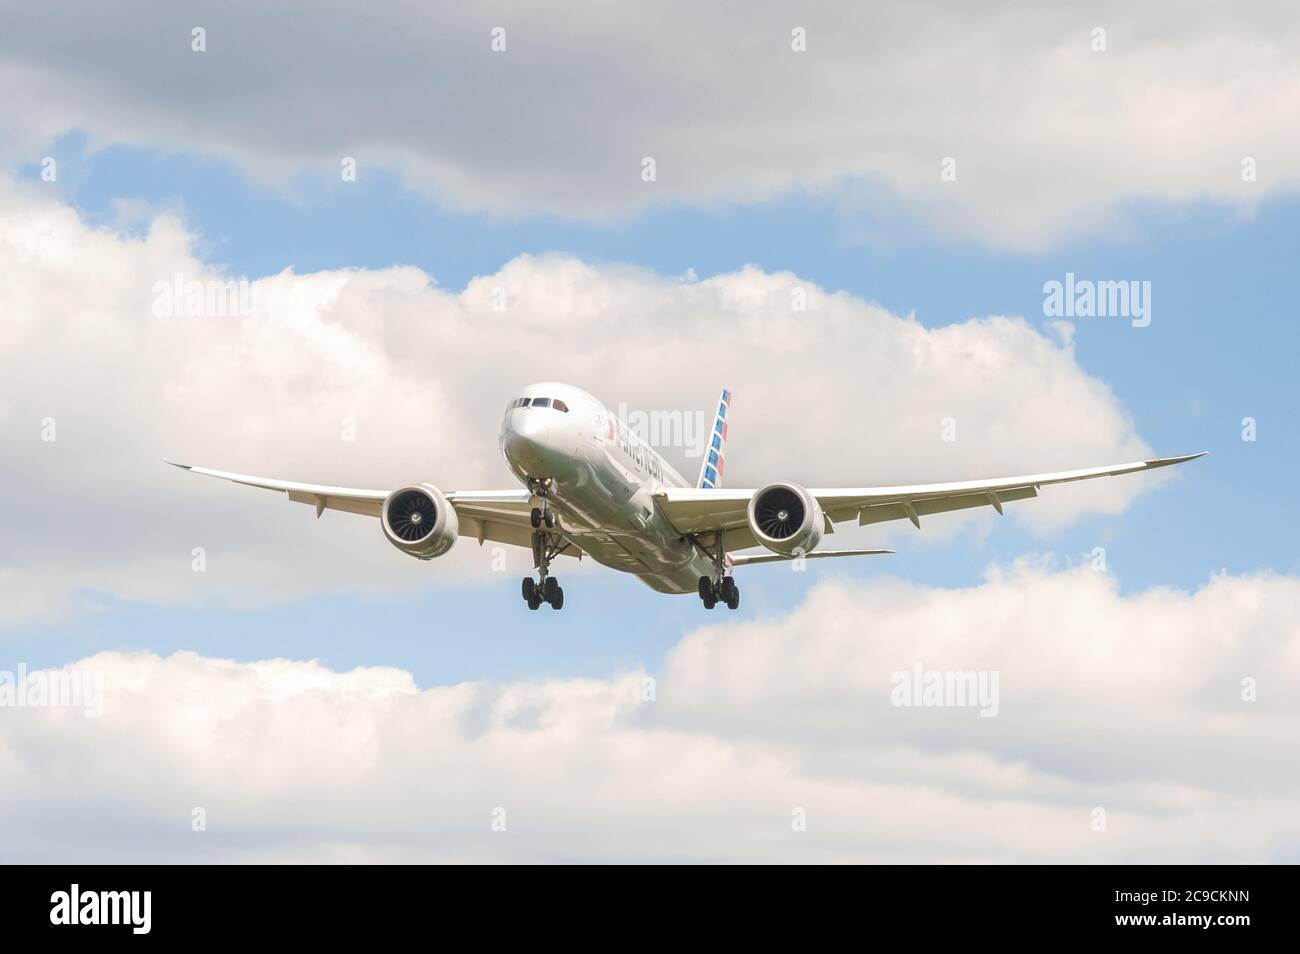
[(724, 591), (719, 588), (548, 591), (546, 546)]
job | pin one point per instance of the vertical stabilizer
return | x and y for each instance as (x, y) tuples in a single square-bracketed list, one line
[(715, 456)]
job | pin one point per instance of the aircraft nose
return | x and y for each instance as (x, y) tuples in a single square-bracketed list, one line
[(530, 426), (526, 442)]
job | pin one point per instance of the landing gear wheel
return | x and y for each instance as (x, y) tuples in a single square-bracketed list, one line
[(530, 588), (557, 598), (549, 519), (718, 588), (534, 602), (549, 586), (535, 518)]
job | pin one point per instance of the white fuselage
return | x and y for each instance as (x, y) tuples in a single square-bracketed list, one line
[(603, 478)]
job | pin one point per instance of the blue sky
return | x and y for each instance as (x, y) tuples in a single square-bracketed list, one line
[(1216, 351)]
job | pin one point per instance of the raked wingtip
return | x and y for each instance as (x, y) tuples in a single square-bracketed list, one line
[(1168, 461)]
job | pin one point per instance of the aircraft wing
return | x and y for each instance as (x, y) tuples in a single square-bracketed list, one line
[(501, 516), (697, 510)]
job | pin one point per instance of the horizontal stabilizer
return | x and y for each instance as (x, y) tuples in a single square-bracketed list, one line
[(743, 560)]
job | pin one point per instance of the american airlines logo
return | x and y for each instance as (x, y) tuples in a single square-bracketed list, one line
[(74, 907)]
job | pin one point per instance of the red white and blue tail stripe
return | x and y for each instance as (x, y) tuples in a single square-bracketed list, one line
[(715, 458)]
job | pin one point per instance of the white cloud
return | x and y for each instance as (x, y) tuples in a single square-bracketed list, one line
[(1128, 703), (1051, 139), (423, 374)]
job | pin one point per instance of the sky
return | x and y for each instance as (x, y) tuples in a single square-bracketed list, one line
[(649, 200)]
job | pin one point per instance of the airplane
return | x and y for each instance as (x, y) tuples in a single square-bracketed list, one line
[(593, 487)]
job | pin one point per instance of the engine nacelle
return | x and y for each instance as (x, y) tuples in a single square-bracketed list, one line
[(786, 519), (418, 520)]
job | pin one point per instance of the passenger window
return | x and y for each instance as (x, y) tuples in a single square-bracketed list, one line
[(541, 402), (560, 405)]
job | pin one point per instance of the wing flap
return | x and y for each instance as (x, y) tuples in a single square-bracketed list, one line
[(698, 511), (880, 512), (364, 506), (486, 530)]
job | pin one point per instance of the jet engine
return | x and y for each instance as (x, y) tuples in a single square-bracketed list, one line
[(786, 519), (418, 520)]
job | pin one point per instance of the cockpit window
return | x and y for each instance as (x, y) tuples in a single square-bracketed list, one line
[(541, 402)]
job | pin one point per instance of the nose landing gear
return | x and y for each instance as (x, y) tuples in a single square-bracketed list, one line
[(542, 514)]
